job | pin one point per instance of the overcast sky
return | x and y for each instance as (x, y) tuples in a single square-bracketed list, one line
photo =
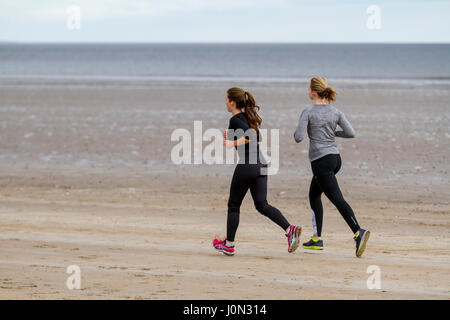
[(225, 21)]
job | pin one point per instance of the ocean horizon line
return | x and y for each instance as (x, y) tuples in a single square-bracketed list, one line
[(218, 42), (140, 80)]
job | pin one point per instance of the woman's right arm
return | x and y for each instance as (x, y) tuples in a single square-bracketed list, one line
[(233, 143), (236, 125)]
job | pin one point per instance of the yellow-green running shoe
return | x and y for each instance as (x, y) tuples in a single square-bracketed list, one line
[(361, 238), (313, 244)]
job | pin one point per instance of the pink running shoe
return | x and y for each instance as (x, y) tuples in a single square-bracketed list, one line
[(221, 246), (293, 238)]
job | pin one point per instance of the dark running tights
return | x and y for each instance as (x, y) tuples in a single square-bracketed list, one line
[(248, 176), (324, 181)]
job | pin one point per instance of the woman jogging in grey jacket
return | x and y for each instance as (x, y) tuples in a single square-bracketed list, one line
[(321, 121)]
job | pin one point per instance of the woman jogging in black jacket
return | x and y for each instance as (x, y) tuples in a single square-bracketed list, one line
[(243, 134)]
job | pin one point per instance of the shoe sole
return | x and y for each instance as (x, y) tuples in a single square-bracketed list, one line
[(297, 232), (313, 248), (363, 245)]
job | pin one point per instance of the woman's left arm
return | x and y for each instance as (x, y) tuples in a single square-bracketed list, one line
[(348, 131), (300, 131)]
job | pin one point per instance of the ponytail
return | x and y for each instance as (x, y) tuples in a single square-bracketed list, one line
[(329, 94), (320, 85), (245, 100), (251, 111)]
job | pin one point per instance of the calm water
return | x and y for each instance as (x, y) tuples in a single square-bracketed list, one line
[(215, 61)]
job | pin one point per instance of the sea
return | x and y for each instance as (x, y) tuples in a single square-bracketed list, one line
[(213, 63)]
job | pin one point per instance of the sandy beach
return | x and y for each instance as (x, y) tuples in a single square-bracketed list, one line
[(86, 179)]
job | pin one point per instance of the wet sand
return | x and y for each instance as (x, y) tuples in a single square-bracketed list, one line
[(87, 180)]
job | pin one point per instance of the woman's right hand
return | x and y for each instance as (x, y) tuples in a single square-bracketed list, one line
[(228, 144)]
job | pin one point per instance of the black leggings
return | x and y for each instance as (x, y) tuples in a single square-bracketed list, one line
[(324, 181), (248, 176)]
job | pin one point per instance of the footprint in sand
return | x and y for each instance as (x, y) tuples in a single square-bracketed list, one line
[(44, 245), (139, 275), (88, 257)]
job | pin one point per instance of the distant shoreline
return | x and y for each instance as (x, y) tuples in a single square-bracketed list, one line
[(442, 83)]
